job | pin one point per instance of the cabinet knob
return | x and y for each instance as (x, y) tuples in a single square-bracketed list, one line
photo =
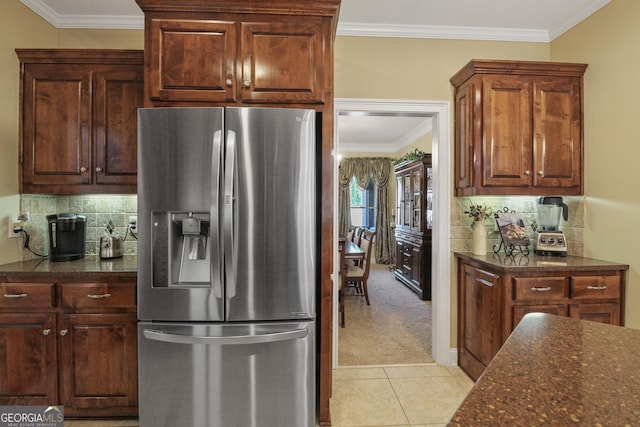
[(64, 332), (83, 169), (247, 84), (46, 331), (540, 173), (527, 172), (229, 82), (98, 169)]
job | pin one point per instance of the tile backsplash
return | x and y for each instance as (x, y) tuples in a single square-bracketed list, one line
[(98, 209), (461, 232)]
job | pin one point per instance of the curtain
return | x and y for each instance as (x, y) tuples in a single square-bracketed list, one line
[(344, 199), (364, 169), (385, 253)]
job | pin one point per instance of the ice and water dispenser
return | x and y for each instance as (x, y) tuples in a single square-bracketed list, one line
[(181, 249)]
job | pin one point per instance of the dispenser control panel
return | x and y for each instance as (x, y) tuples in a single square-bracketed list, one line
[(551, 243)]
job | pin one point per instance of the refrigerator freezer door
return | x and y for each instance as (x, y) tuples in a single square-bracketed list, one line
[(269, 214), (179, 250), (237, 375)]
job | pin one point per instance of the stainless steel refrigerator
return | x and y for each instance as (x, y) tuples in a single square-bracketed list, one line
[(226, 267)]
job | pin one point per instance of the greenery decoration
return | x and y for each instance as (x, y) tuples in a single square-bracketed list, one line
[(410, 156)]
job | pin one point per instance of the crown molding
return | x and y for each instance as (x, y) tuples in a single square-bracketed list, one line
[(136, 22), (121, 22), (442, 32)]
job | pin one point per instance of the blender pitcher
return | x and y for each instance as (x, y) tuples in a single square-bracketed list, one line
[(549, 210)]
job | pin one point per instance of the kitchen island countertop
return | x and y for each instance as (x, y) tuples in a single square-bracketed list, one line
[(89, 267), (555, 370)]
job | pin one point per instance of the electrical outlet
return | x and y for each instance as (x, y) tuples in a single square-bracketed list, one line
[(12, 223), (133, 224)]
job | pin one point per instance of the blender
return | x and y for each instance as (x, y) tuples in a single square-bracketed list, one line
[(550, 240)]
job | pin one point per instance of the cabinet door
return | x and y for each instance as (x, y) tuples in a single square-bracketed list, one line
[(399, 257), (192, 60), (98, 366), (608, 313), (557, 133), (507, 146), (480, 312), (283, 61), (416, 266), (399, 201), (56, 127), (407, 215), (464, 136), (416, 183), (118, 95), (28, 371)]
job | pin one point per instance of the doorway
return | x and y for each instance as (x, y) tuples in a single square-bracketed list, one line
[(441, 304)]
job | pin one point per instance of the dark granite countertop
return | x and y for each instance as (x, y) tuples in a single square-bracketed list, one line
[(558, 371), (87, 267), (547, 263)]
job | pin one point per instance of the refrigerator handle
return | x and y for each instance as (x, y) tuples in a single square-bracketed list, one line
[(225, 340), (216, 264), (229, 212)]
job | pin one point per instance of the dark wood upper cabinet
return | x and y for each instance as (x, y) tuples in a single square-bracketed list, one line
[(226, 52), (518, 128), (215, 60), (79, 120)]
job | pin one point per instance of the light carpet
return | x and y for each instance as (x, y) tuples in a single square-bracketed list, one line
[(394, 329)]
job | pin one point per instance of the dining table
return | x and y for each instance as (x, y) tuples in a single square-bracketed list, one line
[(353, 251)]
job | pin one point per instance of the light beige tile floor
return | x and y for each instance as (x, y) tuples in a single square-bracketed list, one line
[(397, 395), (421, 395)]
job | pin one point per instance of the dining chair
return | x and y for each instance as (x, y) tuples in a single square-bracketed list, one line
[(367, 235), (358, 275), (342, 281)]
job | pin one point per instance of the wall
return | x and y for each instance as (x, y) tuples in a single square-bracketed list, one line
[(22, 28), (607, 42)]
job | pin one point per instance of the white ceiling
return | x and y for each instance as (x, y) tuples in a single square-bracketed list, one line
[(506, 20)]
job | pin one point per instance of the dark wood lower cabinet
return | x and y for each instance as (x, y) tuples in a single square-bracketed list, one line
[(71, 344), (495, 292), (98, 359), (28, 363), (413, 262)]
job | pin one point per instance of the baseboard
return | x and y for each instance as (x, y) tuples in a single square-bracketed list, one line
[(453, 357)]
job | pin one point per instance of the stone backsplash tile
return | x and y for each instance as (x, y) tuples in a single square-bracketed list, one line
[(461, 234), (99, 210)]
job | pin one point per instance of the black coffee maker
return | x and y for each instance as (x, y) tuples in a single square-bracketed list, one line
[(67, 236)]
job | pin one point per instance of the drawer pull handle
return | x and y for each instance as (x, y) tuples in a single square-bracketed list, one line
[(597, 288), (98, 296), (64, 332), (538, 289), (15, 295), (46, 331)]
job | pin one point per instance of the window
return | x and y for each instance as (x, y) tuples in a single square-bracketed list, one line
[(363, 204)]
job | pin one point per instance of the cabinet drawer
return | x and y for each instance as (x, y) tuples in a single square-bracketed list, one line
[(92, 295), (595, 287), (539, 288), (26, 295)]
